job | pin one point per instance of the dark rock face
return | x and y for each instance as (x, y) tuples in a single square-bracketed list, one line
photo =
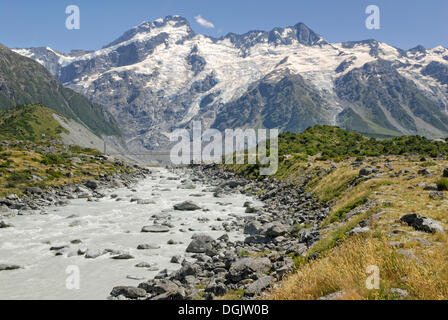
[(437, 70)]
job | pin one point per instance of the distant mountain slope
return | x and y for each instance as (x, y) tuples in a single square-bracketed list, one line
[(392, 103), (161, 75), (23, 81), (37, 123), (288, 103)]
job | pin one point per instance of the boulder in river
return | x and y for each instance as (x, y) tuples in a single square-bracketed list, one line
[(3, 225), (92, 254), (148, 246), (186, 206), (92, 184), (143, 265), (124, 256), (7, 267), (155, 229)]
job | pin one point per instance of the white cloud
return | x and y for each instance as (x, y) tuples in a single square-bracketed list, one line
[(203, 22)]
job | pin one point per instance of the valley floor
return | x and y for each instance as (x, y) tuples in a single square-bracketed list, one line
[(89, 234)]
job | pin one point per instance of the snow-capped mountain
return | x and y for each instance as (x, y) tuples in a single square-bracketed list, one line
[(161, 75)]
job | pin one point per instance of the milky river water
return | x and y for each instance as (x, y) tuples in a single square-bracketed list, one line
[(108, 224)]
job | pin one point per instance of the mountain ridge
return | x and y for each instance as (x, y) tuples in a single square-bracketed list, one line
[(161, 75)]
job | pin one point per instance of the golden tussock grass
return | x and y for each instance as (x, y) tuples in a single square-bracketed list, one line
[(344, 269)]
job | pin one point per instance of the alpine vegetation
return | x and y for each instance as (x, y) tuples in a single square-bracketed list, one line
[(191, 150)]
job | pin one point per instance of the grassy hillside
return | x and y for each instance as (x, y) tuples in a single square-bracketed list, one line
[(410, 260), (335, 144), (24, 81), (406, 174), (29, 122)]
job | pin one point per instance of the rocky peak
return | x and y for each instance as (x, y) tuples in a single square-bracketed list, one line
[(146, 28), (306, 36)]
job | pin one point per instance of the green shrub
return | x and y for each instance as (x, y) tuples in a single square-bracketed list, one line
[(342, 212)]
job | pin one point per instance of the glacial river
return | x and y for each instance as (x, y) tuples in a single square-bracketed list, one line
[(108, 224)]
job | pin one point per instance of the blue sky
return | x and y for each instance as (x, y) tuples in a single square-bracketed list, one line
[(404, 24)]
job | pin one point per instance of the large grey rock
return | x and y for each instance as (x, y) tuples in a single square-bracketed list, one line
[(247, 267), (92, 184), (186, 206), (187, 270), (158, 286), (257, 287), (7, 212), (254, 228), (218, 289), (366, 171), (277, 229), (198, 245), (128, 292), (123, 256), (422, 223)]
